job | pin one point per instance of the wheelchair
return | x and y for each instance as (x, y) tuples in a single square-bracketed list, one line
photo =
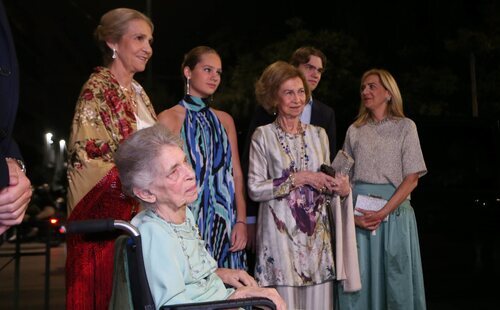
[(130, 284)]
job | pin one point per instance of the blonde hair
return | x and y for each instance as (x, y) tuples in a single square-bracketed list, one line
[(113, 26), (394, 105), (269, 83)]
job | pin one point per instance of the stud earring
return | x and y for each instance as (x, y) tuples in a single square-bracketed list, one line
[(388, 99), (114, 54), (187, 86)]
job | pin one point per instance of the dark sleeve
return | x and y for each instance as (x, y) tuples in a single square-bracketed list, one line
[(8, 150), (9, 90), (4, 171), (324, 116), (260, 118), (331, 131)]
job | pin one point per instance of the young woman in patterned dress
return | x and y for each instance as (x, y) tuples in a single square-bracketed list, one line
[(211, 146)]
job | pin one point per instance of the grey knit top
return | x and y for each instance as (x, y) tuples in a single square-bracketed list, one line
[(385, 151)]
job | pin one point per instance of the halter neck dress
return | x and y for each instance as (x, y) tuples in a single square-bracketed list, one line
[(209, 151)]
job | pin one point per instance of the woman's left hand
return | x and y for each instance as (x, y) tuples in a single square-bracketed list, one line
[(341, 185), (238, 237), (369, 220), (235, 277)]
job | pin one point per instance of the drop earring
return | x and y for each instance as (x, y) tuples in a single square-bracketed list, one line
[(114, 54), (187, 86)]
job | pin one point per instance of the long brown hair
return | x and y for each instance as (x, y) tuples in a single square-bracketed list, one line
[(193, 57)]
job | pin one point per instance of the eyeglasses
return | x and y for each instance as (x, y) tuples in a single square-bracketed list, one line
[(310, 68)]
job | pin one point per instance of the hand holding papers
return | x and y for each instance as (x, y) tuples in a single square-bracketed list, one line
[(370, 203)]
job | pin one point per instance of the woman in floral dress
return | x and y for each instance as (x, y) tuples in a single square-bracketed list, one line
[(294, 241)]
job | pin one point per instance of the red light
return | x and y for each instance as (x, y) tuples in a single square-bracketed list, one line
[(54, 221)]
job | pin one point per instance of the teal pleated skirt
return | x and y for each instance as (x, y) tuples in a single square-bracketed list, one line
[(389, 261)]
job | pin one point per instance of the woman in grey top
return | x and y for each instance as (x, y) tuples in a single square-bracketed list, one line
[(388, 163)]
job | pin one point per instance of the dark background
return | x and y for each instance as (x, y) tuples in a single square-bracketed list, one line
[(429, 46)]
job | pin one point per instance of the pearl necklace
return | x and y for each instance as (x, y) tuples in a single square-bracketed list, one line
[(190, 230), (302, 162)]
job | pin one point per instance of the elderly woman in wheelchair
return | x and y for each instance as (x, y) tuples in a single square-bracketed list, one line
[(154, 169)]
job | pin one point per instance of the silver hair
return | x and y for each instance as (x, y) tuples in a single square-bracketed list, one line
[(137, 157)]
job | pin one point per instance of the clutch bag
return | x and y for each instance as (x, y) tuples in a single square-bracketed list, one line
[(342, 163)]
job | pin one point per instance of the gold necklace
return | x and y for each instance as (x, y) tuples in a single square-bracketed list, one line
[(299, 129), (130, 94)]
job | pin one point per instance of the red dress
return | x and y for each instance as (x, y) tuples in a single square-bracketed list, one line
[(103, 118)]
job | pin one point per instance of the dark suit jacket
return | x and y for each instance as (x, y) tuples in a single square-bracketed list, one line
[(9, 96), (321, 115)]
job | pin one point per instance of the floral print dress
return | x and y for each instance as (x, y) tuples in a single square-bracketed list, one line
[(294, 244)]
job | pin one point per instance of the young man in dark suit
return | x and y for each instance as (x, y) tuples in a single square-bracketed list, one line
[(15, 187), (311, 62)]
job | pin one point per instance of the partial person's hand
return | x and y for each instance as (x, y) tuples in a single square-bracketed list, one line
[(14, 198), (369, 220), (341, 185), (251, 237), (270, 293), (236, 277), (238, 237), (319, 180)]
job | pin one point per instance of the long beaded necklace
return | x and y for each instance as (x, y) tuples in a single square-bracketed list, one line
[(178, 231), (303, 160)]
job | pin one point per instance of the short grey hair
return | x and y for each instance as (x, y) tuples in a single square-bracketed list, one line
[(137, 157)]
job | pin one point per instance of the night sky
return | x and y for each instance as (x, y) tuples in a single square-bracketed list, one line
[(56, 50)]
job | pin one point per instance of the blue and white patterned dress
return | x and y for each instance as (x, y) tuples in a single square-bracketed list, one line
[(209, 151)]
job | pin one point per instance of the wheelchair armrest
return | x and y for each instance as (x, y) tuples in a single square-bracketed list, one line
[(247, 303)]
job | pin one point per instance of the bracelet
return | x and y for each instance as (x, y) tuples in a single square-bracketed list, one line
[(19, 162), (241, 222), (292, 179), (343, 198)]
